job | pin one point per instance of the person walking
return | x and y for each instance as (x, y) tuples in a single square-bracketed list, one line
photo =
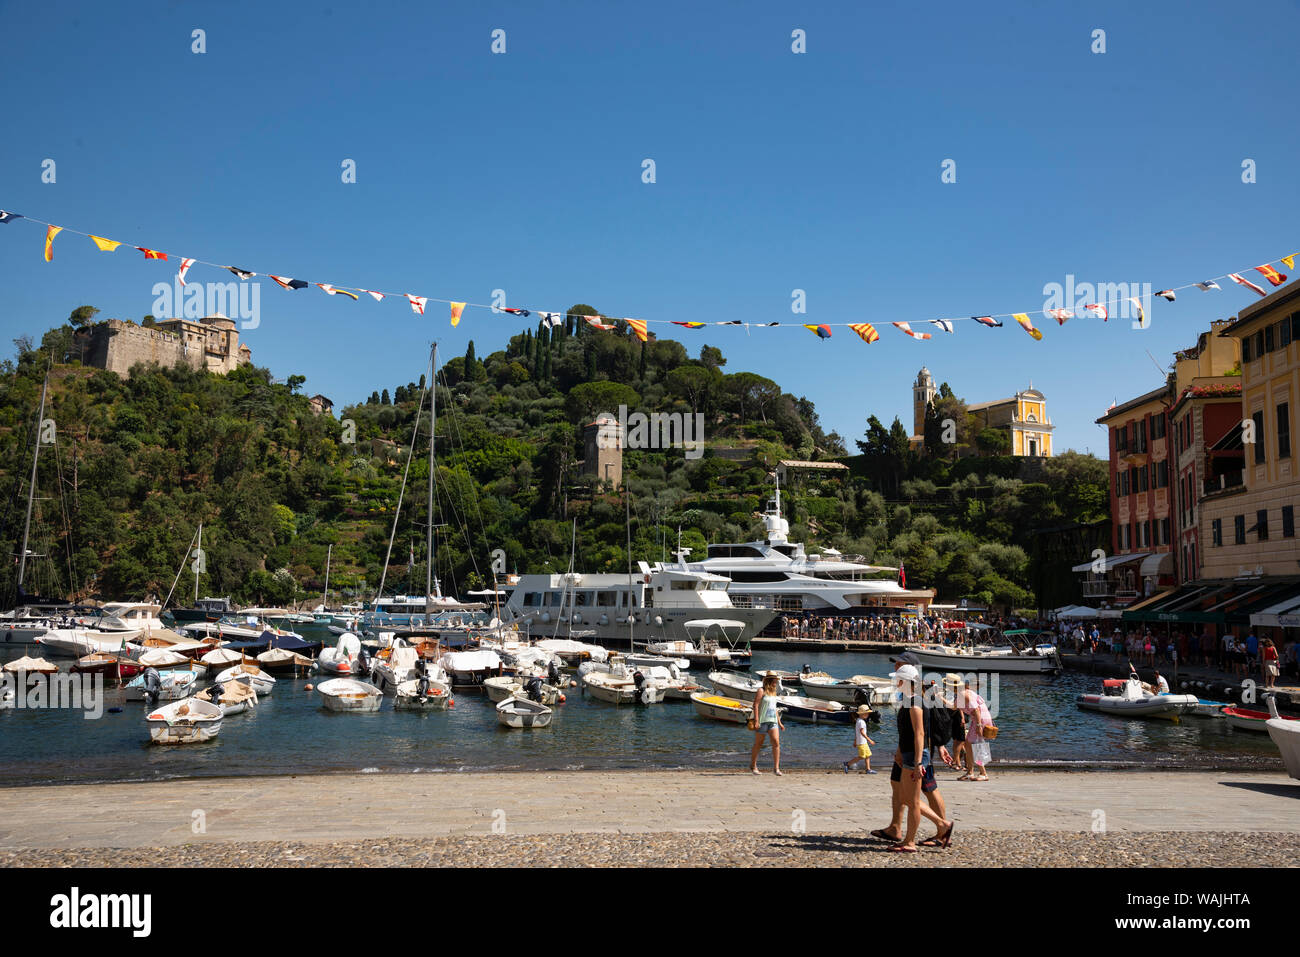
[(1268, 655), (953, 685), (977, 718), (767, 721), (861, 741), (900, 778), (913, 753)]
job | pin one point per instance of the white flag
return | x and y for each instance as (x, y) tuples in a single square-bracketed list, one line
[(417, 303)]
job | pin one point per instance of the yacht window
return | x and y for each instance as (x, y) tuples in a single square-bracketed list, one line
[(759, 576), (582, 598), (607, 599), (533, 598), (786, 550), (683, 586)]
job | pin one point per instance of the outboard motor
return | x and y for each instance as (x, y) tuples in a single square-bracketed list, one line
[(805, 670), (534, 689), (152, 687), (553, 673), (860, 698), (214, 694), (363, 661)]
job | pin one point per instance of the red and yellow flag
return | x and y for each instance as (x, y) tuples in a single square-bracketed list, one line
[(151, 253), (456, 309), (822, 332), (866, 331), (1289, 260), (50, 233), (105, 245), (638, 326), (1271, 274), (689, 325), (1025, 324)]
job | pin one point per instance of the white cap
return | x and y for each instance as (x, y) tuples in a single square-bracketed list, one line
[(906, 672)]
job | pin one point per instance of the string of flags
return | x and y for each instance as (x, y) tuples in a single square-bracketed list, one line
[(640, 327)]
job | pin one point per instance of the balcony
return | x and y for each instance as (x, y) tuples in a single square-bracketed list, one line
[(1096, 589), (1222, 483)]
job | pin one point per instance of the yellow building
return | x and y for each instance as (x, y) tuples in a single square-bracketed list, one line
[(1024, 416)]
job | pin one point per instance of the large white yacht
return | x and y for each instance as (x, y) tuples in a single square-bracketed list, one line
[(663, 602), (777, 573)]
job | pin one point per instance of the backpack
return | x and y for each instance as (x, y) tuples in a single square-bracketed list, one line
[(940, 726)]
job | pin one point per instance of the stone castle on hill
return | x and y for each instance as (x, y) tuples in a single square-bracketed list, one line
[(210, 343)]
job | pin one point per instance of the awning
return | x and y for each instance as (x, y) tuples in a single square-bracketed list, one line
[(1153, 566), (1217, 602), (1283, 614), (1111, 561)]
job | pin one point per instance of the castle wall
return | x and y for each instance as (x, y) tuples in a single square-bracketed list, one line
[(116, 345)]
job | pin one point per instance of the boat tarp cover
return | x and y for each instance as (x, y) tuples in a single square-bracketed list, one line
[(470, 660)]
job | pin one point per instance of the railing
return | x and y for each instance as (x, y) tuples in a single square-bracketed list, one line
[(1096, 589)]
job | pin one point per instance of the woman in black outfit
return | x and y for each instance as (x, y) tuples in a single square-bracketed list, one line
[(951, 683)]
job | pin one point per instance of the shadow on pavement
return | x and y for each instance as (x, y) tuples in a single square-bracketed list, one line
[(1281, 790)]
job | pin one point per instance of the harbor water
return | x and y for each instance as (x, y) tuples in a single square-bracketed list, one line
[(290, 733)]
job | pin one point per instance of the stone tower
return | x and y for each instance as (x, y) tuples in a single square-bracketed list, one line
[(602, 442), (922, 392)]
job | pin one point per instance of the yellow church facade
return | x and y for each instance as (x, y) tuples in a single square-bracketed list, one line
[(1023, 416)]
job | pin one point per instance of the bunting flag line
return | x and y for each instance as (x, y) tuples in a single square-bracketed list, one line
[(866, 331), (640, 327), (1142, 316), (1025, 324), (50, 233), (1245, 282), (338, 292), (1271, 274), (908, 329)]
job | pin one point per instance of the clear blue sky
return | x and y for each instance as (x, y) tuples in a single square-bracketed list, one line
[(775, 171)]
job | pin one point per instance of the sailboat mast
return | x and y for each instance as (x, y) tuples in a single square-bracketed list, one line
[(198, 565), (433, 428), (631, 627), (31, 488), (325, 598)]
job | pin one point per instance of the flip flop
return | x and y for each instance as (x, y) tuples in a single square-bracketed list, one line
[(902, 849), (884, 835), (965, 777)]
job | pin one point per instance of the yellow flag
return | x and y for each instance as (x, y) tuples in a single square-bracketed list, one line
[(1023, 319), (50, 233), (1289, 260), (638, 326), (105, 245), (456, 309)]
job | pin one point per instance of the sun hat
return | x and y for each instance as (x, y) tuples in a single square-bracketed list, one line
[(906, 672), (952, 680), (864, 709)]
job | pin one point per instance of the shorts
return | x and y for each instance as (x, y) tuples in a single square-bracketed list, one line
[(864, 751), (765, 727), (928, 783)]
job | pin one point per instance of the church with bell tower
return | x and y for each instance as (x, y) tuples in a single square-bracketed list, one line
[(1023, 417)]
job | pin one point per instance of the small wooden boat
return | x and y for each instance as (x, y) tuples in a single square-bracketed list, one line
[(349, 694), (173, 685), (814, 710), (522, 713), (1285, 732), (249, 674), (282, 661), (110, 665), (721, 708), (234, 697), (1245, 719), (163, 659), (32, 666), (191, 721), (436, 698), (788, 679), (860, 689)]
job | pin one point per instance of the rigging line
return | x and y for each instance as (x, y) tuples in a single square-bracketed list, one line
[(460, 439), (461, 522), (67, 519), (397, 512)]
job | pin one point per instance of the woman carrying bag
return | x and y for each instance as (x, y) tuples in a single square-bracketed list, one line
[(979, 731)]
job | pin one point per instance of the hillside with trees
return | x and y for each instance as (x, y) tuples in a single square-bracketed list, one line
[(139, 462)]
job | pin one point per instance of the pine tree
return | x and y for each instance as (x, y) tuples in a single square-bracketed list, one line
[(383, 398)]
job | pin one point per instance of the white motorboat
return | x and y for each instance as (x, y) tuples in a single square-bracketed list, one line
[(1019, 656), (721, 708), (79, 642), (622, 689), (172, 685), (1126, 697), (641, 660), (341, 660), (249, 674), (1285, 733), (349, 694), (501, 687), (436, 696), (234, 697), (573, 653), (737, 685), (471, 667), (857, 690), (523, 713), (190, 721)]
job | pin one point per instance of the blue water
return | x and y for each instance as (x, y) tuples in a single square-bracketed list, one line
[(289, 732)]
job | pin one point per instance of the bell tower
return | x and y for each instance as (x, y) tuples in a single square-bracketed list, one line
[(922, 392)]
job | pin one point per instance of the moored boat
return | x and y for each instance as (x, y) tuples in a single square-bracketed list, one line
[(522, 713), (1285, 732), (349, 694), (814, 710), (721, 708), (857, 690), (1129, 699), (736, 685), (435, 697), (249, 674), (622, 689), (172, 685), (190, 721), (1247, 719)]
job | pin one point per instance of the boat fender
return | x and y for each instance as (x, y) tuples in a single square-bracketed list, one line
[(573, 684), (647, 695), (562, 698)]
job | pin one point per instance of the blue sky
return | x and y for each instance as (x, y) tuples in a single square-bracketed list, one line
[(775, 171)]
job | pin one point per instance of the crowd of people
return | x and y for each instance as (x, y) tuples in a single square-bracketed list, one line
[(1242, 657), (929, 718)]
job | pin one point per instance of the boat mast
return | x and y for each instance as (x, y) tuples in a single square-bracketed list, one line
[(198, 565), (627, 497), (31, 489), (433, 428), (325, 598)]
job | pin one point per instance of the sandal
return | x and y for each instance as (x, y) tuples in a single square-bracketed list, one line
[(982, 777), (884, 835), (902, 849), (966, 777)]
